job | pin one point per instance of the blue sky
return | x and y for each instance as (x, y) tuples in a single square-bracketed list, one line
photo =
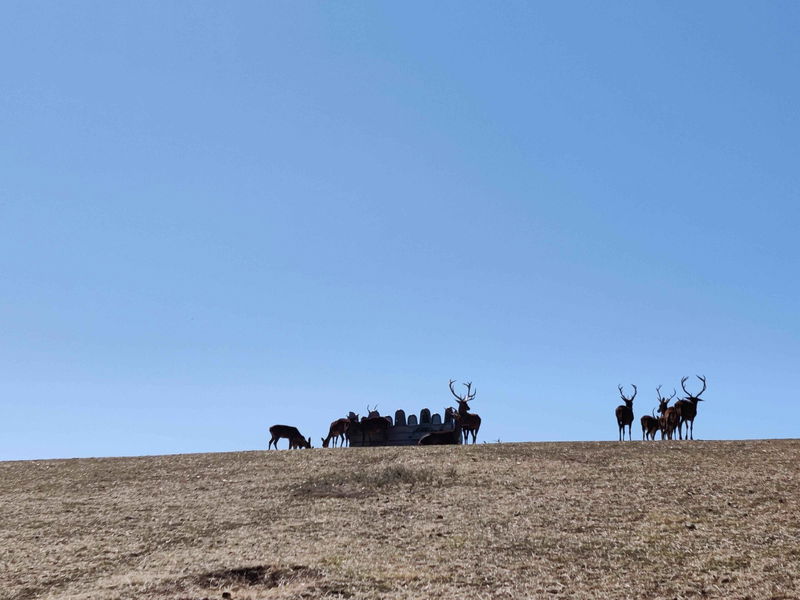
[(218, 217)]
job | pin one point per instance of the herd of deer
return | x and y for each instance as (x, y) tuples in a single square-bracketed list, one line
[(374, 428), (670, 419)]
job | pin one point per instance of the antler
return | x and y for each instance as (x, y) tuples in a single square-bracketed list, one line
[(634, 392), (673, 394), (658, 394), (688, 393), (459, 398), (703, 379), (623, 395), (470, 394)]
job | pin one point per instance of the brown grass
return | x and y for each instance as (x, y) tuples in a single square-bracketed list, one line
[(568, 520)]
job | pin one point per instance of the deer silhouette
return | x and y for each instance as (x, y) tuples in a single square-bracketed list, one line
[(296, 439), (624, 413), (470, 423), (687, 408)]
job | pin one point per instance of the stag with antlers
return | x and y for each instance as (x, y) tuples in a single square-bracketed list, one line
[(668, 419), (470, 423), (624, 413), (687, 407), (651, 424)]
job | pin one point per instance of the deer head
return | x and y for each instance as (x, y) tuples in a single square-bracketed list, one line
[(463, 405), (628, 401), (662, 401)]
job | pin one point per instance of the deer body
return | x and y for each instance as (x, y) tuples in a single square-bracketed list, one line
[(649, 427), (337, 431), (372, 428), (669, 422), (624, 413), (296, 439), (441, 438)]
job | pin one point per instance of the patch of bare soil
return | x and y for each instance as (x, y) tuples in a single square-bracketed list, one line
[(570, 520)]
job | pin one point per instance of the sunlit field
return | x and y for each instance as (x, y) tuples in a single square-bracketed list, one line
[(534, 520)]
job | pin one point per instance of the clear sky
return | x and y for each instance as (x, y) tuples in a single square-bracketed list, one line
[(215, 217)]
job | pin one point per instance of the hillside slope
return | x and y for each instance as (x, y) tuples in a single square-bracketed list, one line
[(565, 520)]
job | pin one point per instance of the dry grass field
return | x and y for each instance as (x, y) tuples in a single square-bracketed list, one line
[(536, 520)]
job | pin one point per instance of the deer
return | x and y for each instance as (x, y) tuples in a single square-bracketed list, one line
[(624, 413), (337, 431), (668, 419), (296, 439), (687, 407), (448, 437), (650, 424), (470, 423), (373, 427)]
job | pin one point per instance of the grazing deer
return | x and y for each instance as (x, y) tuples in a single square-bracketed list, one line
[(624, 413), (668, 419), (441, 438), (470, 423), (296, 439), (687, 408), (337, 431)]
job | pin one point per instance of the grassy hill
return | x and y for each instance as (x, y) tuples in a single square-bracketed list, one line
[(536, 520)]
